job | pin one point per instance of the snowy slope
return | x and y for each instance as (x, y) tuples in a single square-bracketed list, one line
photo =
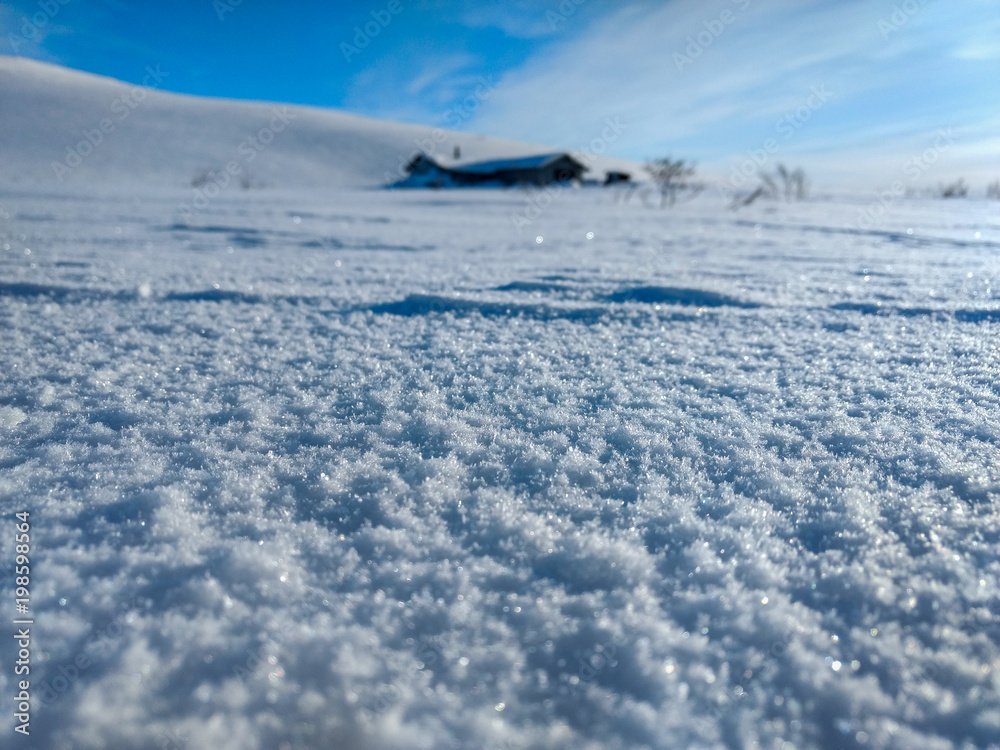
[(158, 138), (331, 469)]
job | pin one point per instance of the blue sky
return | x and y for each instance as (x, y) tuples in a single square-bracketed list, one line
[(855, 91)]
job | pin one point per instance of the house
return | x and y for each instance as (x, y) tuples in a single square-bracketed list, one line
[(543, 169)]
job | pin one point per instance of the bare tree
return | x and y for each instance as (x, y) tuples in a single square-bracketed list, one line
[(672, 177), (993, 190)]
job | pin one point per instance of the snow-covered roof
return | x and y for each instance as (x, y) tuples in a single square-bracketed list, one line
[(497, 165)]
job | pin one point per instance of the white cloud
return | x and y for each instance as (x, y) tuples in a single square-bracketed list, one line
[(521, 19), (716, 78), (440, 72), (21, 36)]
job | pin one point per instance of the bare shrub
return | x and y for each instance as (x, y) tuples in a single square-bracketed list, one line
[(783, 183), (794, 183), (956, 189), (201, 178), (673, 177)]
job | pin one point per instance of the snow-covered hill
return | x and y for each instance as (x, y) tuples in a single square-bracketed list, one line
[(102, 130)]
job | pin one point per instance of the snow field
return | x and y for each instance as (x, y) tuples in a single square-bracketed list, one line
[(376, 470)]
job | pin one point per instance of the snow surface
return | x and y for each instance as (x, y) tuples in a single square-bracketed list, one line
[(376, 469)]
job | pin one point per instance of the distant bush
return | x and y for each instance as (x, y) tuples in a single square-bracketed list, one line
[(790, 184), (201, 177), (956, 189), (993, 190), (794, 183), (673, 178), (205, 176)]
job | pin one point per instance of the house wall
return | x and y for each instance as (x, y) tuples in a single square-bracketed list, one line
[(541, 175)]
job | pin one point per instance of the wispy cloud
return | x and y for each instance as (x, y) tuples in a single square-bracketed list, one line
[(440, 76), (708, 81), (521, 19), (24, 34), (716, 79), (407, 87)]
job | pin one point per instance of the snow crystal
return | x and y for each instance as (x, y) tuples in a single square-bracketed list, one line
[(395, 477)]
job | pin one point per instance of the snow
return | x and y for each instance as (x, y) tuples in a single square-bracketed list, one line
[(375, 466), (152, 137), (351, 468)]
